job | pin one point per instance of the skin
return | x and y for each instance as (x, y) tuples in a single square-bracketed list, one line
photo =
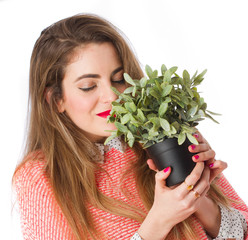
[(162, 217), (93, 69)]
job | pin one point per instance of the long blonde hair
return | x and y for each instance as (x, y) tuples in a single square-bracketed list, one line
[(70, 162)]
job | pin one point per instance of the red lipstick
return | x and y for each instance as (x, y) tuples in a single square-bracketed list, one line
[(104, 114)]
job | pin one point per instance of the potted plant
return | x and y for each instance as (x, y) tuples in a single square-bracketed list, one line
[(161, 112)]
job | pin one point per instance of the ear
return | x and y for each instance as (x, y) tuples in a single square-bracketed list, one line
[(60, 103), (47, 94)]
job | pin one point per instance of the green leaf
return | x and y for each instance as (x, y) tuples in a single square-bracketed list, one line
[(128, 79), (193, 77), (192, 139), (141, 115), (210, 117), (125, 97), (149, 71), (134, 122), (189, 91), (181, 114), (110, 119), (115, 91), (213, 113), (181, 138), (176, 125), (199, 78), (119, 109), (128, 90), (197, 117), (192, 111), (164, 124), (163, 69), (167, 76), (186, 76), (130, 138), (114, 135), (134, 91), (126, 118), (154, 93), (162, 109), (154, 73), (121, 127), (130, 106), (158, 85), (150, 116), (152, 133), (143, 82), (173, 130), (173, 70), (155, 121), (203, 106), (167, 90)]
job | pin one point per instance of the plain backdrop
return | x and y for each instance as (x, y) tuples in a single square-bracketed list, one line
[(192, 35)]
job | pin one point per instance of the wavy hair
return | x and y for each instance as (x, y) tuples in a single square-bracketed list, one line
[(69, 155)]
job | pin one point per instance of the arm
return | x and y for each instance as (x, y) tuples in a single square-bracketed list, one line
[(172, 206), (238, 211), (206, 154), (41, 217)]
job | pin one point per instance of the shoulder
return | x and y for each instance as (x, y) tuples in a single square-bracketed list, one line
[(31, 174)]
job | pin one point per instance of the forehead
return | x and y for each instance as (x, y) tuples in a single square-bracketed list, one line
[(93, 58), (93, 50)]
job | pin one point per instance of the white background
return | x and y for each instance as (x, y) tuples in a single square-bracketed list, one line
[(192, 35)]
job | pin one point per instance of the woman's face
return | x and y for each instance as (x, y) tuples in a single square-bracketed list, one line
[(87, 95)]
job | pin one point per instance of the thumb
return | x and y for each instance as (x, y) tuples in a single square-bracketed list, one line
[(151, 165), (161, 177)]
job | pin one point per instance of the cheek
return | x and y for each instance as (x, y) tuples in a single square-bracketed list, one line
[(79, 105)]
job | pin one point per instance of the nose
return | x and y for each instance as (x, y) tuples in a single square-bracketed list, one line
[(107, 94)]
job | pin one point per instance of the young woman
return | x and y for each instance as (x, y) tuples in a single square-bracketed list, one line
[(71, 186)]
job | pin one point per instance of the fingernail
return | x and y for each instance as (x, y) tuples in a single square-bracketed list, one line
[(166, 169), (211, 165), (196, 157), (192, 147), (196, 135)]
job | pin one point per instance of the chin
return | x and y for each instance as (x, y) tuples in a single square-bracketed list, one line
[(110, 126)]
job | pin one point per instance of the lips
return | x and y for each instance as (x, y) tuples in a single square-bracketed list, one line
[(104, 114)]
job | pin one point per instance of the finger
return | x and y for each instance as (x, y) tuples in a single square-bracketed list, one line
[(216, 168), (193, 178), (203, 184), (199, 137), (218, 164), (202, 147), (207, 156), (161, 177), (152, 165)]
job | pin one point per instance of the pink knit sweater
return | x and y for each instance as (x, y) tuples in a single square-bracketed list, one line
[(42, 218)]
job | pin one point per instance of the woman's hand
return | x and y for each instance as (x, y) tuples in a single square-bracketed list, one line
[(173, 205), (204, 153)]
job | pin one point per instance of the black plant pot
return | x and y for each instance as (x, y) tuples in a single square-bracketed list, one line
[(169, 154)]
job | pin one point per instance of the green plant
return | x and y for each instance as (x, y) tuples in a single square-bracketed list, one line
[(158, 107)]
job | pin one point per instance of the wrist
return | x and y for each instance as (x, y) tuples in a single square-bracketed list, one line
[(153, 228), (209, 216)]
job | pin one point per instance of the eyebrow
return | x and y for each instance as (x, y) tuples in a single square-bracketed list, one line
[(91, 75)]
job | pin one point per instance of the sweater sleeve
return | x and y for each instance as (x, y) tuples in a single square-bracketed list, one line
[(41, 216), (239, 208)]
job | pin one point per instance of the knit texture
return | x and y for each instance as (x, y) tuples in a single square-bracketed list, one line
[(42, 218)]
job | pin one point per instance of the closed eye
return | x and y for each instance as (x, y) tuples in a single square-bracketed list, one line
[(122, 81), (87, 89)]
